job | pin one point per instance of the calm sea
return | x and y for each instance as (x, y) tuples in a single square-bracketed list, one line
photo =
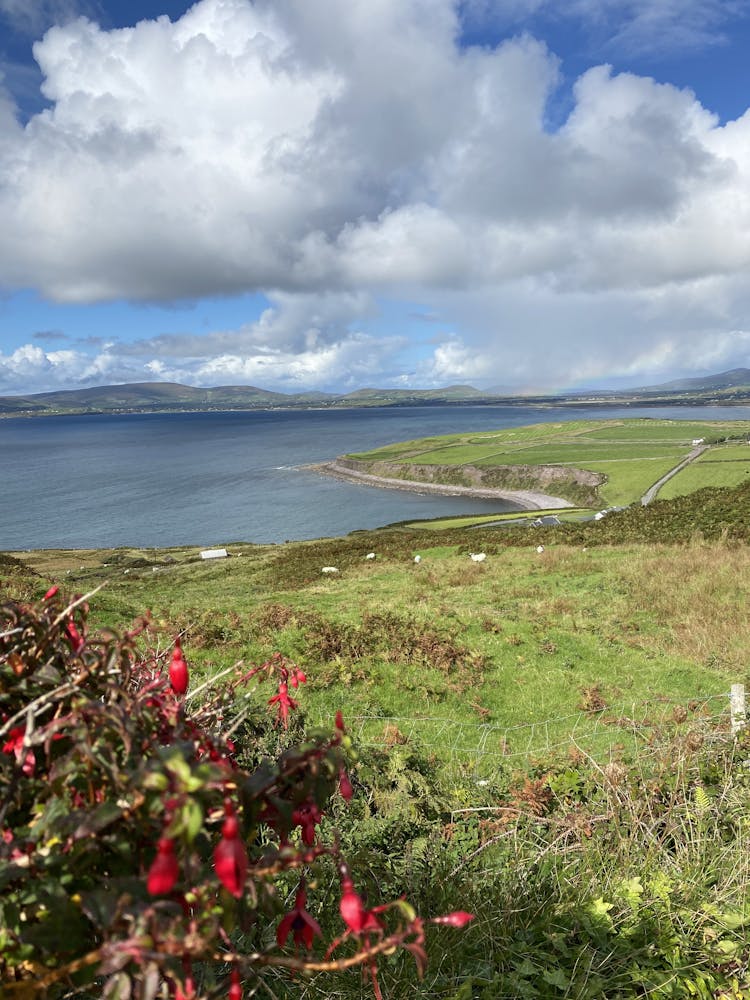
[(213, 478)]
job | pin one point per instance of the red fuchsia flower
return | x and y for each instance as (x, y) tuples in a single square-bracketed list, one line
[(188, 993), (340, 722), (235, 986), (459, 918), (76, 640), (51, 593), (354, 913), (345, 786), (299, 923), (284, 702), (14, 742), (178, 670), (307, 817), (298, 677), (230, 856), (186, 989), (14, 745), (164, 872)]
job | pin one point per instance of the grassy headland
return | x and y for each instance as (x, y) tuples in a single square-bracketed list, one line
[(589, 463)]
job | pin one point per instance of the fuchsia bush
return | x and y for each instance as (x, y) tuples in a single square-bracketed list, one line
[(136, 855)]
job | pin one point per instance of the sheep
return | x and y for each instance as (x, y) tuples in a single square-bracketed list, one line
[(370, 555), (540, 549), (417, 559), (329, 569), (477, 556)]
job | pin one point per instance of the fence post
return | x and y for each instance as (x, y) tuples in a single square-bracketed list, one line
[(737, 708)]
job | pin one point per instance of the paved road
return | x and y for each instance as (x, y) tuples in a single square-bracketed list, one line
[(651, 492)]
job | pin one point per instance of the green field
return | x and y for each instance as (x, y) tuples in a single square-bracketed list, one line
[(542, 738), (511, 644), (724, 465), (632, 454)]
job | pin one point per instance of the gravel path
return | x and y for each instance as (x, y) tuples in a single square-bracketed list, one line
[(527, 499)]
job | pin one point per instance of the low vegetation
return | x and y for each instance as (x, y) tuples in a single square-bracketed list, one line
[(542, 738)]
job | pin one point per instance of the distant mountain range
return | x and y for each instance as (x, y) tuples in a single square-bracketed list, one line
[(145, 397)]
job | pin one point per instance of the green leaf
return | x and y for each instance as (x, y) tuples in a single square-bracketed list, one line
[(527, 969), (464, 992), (156, 782), (100, 818), (556, 978), (192, 819)]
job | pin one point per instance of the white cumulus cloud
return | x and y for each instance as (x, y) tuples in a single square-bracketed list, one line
[(333, 154)]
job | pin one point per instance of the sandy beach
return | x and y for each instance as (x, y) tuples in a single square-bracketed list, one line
[(527, 499)]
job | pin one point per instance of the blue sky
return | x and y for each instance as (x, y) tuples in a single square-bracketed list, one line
[(330, 194)]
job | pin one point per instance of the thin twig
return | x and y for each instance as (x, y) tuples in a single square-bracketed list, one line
[(212, 680)]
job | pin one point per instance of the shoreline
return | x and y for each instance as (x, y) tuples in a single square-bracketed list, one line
[(526, 499)]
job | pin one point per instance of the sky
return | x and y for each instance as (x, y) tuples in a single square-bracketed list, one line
[(519, 195)]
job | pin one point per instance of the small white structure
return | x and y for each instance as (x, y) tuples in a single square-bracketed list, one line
[(477, 556), (214, 554), (697, 441), (540, 549), (370, 555), (329, 569), (417, 559)]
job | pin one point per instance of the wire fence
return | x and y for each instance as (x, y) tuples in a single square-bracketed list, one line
[(480, 748)]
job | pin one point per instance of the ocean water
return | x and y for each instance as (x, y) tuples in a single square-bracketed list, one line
[(213, 478)]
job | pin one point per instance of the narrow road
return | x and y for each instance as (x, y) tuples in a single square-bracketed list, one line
[(651, 492)]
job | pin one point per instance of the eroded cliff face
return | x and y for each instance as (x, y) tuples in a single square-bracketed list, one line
[(580, 486)]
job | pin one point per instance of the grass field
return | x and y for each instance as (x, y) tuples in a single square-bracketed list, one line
[(632, 454), (542, 736), (724, 465), (519, 644)]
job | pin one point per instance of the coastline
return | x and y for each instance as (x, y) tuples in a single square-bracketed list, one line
[(527, 499)]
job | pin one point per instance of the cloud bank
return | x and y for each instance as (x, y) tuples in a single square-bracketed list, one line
[(343, 154)]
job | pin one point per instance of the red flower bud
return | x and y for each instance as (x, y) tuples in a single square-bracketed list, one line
[(235, 987), (178, 671), (230, 856), (188, 993), (51, 593), (340, 721), (74, 635), (351, 907), (345, 786), (163, 873), (459, 918)]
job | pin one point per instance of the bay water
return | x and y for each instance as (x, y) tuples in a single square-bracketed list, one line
[(207, 479)]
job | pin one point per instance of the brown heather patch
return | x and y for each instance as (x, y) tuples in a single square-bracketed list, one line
[(698, 598)]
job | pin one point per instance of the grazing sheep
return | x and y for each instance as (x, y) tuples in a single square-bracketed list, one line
[(477, 556), (417, 559), (370, 555), (329, 569), (540, 549)]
